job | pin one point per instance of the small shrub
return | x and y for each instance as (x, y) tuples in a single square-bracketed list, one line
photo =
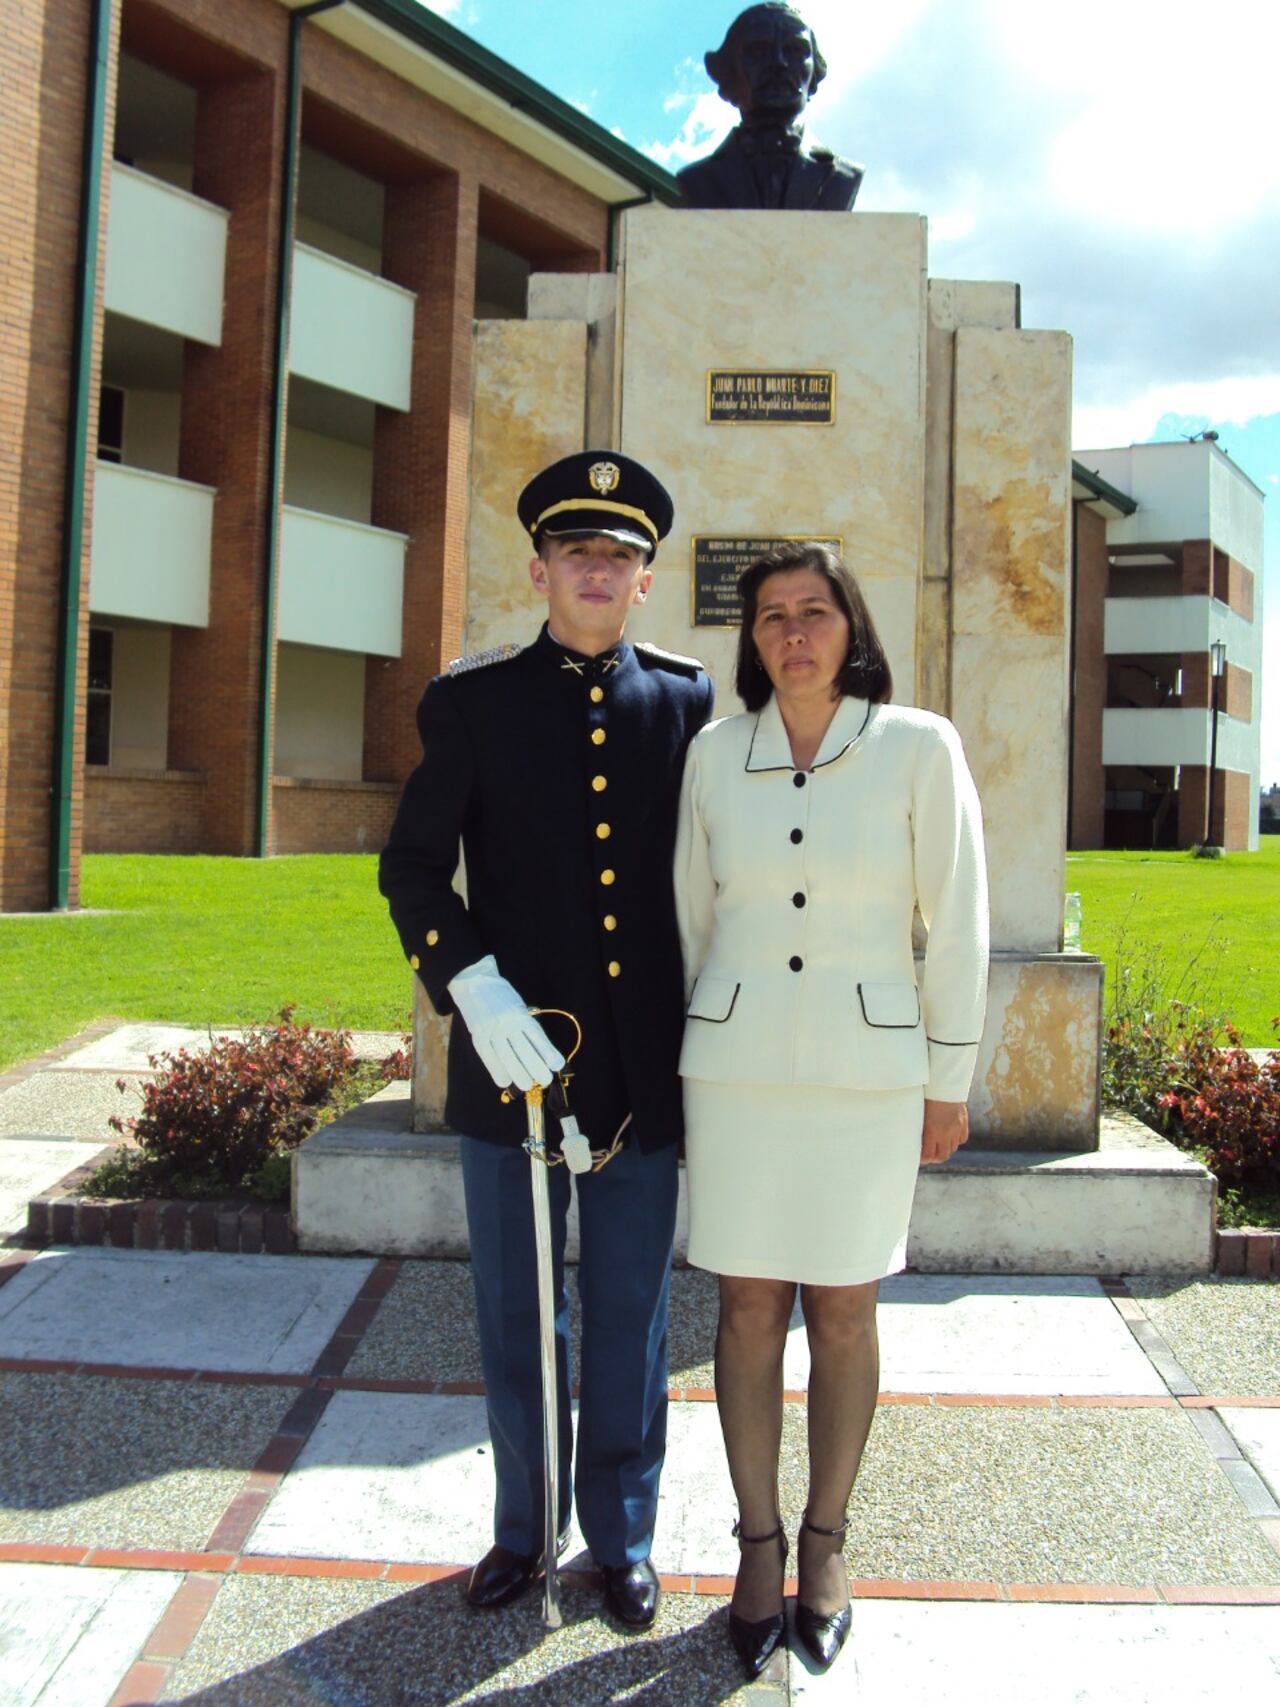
[(399, 1064), (273, 1179), (221, 1112), (1150, 1022), (1227, 1105)]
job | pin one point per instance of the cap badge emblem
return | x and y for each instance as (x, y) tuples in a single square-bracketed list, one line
[(603, 477)]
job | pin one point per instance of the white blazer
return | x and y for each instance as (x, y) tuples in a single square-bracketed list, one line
[(795, 892)]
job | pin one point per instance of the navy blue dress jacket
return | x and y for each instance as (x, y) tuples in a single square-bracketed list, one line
[(559, 777)]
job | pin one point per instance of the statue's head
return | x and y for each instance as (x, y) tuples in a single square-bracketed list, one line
[(769, 63)]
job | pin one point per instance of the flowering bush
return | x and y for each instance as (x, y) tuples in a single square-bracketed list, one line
[(1174, 1065), (1227, 1105), (221, 1112)]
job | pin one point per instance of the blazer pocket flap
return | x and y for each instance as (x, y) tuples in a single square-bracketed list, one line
[(713, 999), (892, 1006)]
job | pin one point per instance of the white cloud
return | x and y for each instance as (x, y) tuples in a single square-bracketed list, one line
[(1132, 421), (707, 124)]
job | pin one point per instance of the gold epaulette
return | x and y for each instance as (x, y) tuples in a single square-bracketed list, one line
[(672, 660), (480, 660)]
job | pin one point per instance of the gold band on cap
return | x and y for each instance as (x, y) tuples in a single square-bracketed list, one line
[(628, 510)]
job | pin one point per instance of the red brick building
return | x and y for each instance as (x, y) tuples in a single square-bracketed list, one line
[(1166, 567), (245, 243)]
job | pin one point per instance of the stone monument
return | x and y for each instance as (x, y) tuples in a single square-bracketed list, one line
[(824, 387)]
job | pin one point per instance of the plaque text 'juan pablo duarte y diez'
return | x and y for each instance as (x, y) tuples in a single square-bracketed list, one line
[(804, 397)]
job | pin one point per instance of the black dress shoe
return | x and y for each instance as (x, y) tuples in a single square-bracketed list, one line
[(823, 1634), (503, 1575), (631, 1593), (755, 1639)]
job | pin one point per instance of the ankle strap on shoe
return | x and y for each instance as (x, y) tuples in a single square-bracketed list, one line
[(839, 1531), (744, 1540)]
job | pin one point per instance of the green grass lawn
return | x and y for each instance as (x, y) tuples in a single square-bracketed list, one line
[(204, 941), (1212, 925)]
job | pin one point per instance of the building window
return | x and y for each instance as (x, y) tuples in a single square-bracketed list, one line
[(97, 722), (111, 424)]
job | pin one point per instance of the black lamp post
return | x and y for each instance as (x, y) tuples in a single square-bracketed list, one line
[(1218, 653)]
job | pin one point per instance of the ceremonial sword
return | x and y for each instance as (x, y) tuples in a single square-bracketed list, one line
[(578, 1156)]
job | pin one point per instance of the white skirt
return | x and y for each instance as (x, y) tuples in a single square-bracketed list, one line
[(798, 1182)]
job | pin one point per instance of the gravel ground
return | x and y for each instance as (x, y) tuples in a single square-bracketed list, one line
[(1224, 1333), (124, 1463), (1031, 1495), (67, 1105), (425, 1329), (290, 1642)]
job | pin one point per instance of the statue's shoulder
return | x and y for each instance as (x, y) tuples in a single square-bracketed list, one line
[(705, 174)]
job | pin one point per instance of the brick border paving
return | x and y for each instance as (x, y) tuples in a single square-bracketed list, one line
[(1205, 1413), (23, 1070), (1253, 1252), (207, 1569)]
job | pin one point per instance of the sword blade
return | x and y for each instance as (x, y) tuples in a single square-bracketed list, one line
[(536, 1145)]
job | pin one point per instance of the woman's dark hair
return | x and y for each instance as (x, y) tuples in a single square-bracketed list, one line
[(865, 673)]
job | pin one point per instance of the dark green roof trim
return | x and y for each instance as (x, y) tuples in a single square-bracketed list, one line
[(432, 33), (1103, 489)]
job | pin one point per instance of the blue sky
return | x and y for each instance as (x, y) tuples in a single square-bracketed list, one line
[(1116, 157)]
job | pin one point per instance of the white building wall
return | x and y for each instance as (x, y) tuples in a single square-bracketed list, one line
[(1176, 735), (152, 424), (341, 584), (1179, 624), (166, 256), (349, 330), (328, 475), (319, 720), (150, 551), (139, 695), (1184, 491)]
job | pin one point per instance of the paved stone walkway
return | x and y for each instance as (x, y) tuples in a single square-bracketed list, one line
[(260, 1480)]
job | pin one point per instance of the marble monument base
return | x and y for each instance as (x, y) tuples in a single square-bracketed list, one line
[(371, 1184), (1037, 1081)]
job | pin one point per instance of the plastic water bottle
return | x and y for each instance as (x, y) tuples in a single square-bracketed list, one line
[(1071, 922)]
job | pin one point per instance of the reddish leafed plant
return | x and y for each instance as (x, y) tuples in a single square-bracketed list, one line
[(399, 1063), (1228, 1105), (223, 1110)]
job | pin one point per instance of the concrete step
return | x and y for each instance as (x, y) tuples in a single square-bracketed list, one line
[(1136, 1205)]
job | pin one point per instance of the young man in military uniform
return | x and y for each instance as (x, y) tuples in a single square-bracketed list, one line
[(557, 769)]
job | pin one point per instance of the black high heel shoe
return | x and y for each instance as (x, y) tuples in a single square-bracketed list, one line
[(823, 1633), (755, 1639)]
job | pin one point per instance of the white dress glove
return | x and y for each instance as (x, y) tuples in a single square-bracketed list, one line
[(513, 1046)]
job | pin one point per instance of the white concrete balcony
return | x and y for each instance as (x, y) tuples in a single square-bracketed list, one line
[(341, 584), (166, 256), (150, 549), (1140, 627), (350, 330), (1175, 735)]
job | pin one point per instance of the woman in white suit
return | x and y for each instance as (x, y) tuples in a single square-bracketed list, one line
[(819, 1071)]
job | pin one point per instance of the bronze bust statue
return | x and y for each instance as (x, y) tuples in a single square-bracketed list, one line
[(767, 67)]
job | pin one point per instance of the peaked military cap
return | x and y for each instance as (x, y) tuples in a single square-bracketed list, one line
[(597, 492)]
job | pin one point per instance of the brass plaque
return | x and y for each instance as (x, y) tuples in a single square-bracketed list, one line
[(717, 563), (804, 397)]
